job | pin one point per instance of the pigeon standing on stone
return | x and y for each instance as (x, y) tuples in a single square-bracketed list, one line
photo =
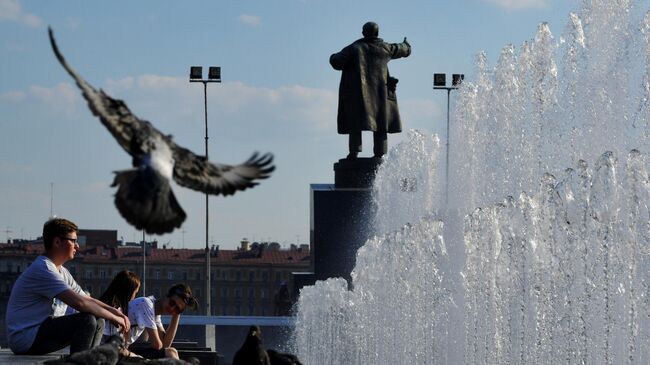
[(105, 354), (144, 196), (279, 358), (164, 361), (252, 352)]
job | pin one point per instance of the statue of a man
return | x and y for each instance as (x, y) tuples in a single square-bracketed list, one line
[(367, 92)]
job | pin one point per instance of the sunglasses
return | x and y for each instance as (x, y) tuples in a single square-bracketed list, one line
[(188, 300), (73, 240)]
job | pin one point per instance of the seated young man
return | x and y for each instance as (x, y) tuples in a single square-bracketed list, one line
[(144, 314), (36, 320)]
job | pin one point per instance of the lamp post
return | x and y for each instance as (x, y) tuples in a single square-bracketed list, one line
[(144, 265), (214, 75), (440, 83)]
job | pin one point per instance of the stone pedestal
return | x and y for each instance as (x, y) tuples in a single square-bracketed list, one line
[(358, 173), (340, 219)]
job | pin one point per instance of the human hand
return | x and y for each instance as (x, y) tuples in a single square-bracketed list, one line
[(127, 323), (122, 322)]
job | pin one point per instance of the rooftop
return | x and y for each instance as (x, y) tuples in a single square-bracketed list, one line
[(297, 256)]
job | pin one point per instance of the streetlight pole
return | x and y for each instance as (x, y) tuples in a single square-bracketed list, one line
[(144, 265), (214, 75), (440, 83)]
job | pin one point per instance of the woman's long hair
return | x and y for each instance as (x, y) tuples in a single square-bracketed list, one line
[(121, 290)]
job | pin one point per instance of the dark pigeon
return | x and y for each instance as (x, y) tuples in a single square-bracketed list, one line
[(105, 354), (165, 361), (252, 352), (279, 358), (144, 196)]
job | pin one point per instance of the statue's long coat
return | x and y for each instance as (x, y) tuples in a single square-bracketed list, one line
[(364, 103)]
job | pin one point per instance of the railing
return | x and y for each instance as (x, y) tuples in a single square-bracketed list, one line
[(265, 321)]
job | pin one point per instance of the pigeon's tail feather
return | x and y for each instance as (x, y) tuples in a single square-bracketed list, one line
[(145, 199)]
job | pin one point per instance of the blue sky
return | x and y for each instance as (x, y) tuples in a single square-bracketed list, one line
[(279, 94)]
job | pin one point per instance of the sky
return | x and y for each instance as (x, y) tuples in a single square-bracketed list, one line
[(278, 94)]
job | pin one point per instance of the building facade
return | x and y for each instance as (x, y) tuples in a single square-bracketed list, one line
[(244, 282)]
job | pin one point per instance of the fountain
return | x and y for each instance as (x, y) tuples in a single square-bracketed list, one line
[(531, 262)]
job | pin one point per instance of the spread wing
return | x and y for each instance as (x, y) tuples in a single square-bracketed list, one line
[(113, 113), (195, 172)]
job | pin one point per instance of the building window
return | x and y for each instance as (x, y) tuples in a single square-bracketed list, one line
[(251, 292), (278, 276), (170, 275), (238, 275), (263, 293), (184, 275), (157, 274), (251, 276), (237, 293), (89, 274), (251, 310), (224, 292), (265, 276), (102, 274), (223, 275)]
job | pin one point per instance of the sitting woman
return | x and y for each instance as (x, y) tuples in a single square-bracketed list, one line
[(144, 314), (120, 292)]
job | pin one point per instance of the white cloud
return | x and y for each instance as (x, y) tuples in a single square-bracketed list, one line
[(519, 4), (72, 23), (97, 187), (61, 98), (252, 20), (10, 10), (11, 168), (12, 96), (122, 84), (157, 83), (170, 100), (175, 98)]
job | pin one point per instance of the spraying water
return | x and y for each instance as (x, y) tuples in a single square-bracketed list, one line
[(554, 267)]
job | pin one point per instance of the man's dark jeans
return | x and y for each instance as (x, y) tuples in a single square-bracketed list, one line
[(81, 331)]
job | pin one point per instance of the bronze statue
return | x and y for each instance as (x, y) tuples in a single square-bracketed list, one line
[(367, 92)]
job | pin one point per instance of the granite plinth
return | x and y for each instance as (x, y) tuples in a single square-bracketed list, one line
[(340, 224), (357, 173)]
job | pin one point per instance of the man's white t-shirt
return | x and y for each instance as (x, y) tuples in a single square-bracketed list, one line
[(32, 301)]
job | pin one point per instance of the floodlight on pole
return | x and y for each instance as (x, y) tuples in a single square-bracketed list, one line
[(440, 83), (214, 75), (196, 73)]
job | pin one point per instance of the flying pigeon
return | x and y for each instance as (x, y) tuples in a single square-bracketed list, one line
[(144, 196)]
